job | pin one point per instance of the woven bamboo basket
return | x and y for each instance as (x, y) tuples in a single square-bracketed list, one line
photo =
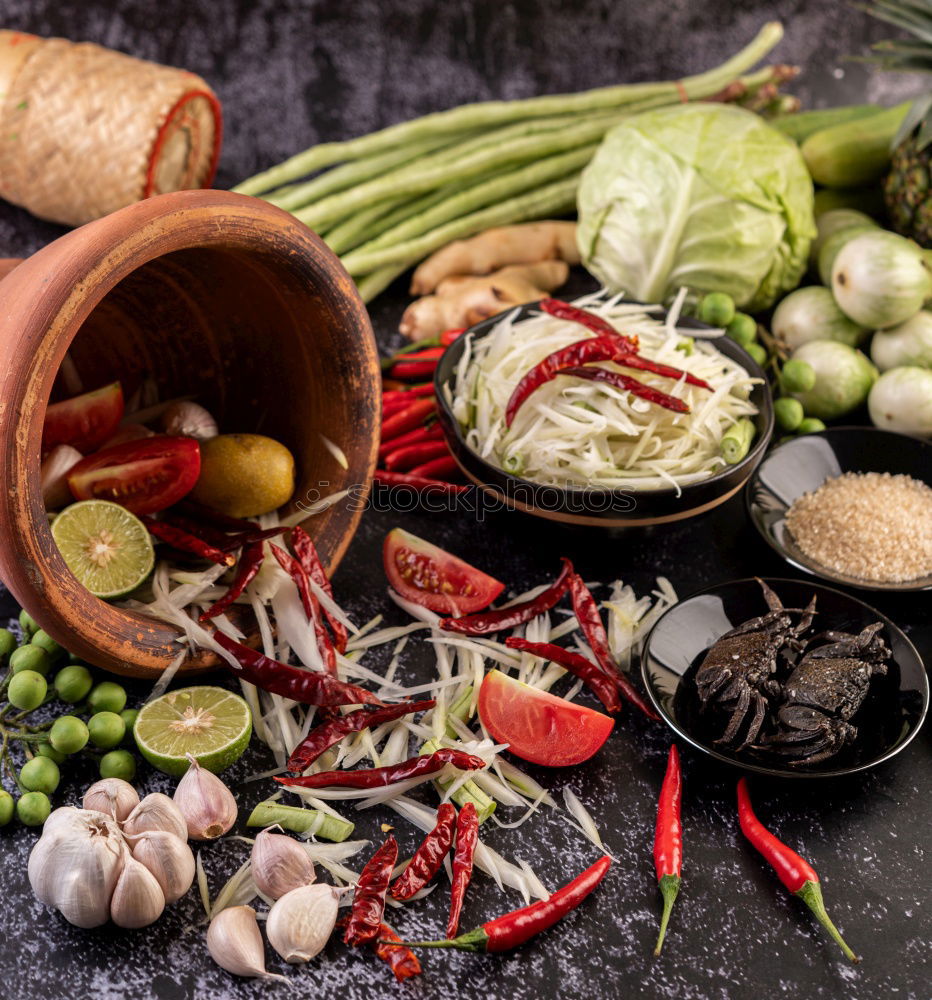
[(85, 130)]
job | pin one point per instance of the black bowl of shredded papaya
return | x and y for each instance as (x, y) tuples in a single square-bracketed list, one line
[(615, 394), (788, 678)]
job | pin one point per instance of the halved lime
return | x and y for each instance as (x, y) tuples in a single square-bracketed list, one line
[(210, 723), (106, 547)]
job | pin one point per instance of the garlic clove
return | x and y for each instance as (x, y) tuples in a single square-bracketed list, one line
[(301, 922), (279, 864), (113, 796), (137, 899), (53, 477), (168, 858), (205, 802), (189, 419), (156, 812), (76, 863), (235, 943)]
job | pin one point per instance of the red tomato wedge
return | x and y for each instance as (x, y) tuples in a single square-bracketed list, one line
[(143, 476), (435, 579), (539, 726), (84, 422)]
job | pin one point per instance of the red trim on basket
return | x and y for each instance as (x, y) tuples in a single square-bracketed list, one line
[(162, 135)]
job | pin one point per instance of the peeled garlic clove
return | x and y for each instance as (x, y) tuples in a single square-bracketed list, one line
[(205, 802), (156, 812), (75, 865), (301, 922), (113, 796), (235, 943), (279, 864), (137, 900), (168, 858), (189, 419), (53, 477)]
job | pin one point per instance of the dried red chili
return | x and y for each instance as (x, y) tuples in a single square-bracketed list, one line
[(311, 606), (186, 542), (369, 897), (249, 564), (256, 534), (323, 737), (793, 871), (591, 674), (401, 960), (573, 314), (418, 483), (515, 928), (487, 622), (590, 621), (379, 777), (310, 687), (214, 517), (307, 555), (668, 840), (620, 381), (429, 856), (467, 837)]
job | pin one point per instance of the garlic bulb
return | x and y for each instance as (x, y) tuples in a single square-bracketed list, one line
[(189, 419), (169, 859), (205, 802), (301, 922), (113, 796), (235, 943), (53, 476), (75, 865), (156, 812), (137, 899), (279, 864)]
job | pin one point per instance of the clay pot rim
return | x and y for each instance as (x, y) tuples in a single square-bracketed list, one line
[(134, 237)]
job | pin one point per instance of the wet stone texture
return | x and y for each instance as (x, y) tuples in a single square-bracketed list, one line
[(293, 72)]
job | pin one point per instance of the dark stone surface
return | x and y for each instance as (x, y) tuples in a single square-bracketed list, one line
[(291, 72)]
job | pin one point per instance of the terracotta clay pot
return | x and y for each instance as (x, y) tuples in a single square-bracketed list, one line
[(210, 294)]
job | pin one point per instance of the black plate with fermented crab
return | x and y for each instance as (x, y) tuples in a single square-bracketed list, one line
[(786, 677)]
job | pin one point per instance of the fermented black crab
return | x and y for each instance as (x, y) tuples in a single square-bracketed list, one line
[(738, 671)]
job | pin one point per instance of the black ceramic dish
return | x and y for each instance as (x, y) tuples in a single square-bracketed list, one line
[(803, 464), (601, 507), (888, 720)]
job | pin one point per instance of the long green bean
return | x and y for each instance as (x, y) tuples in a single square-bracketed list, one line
[(483, 115), (361, 227)]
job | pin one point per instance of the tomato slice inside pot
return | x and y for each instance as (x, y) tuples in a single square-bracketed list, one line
[(538, 726), (144, 476), (85, 422), (435, 579)]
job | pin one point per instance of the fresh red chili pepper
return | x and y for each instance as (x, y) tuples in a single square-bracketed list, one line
[(591, 674), (425, 354), (564, 310), (310, 687), (409, 392), (401, 960), (487, 622), (413, 369), (793, 871), (203, 513), (429, 856), (309, 559), (249, 563), (408, 418), (413, 348), (311, 606), (433, 432), (369, 897), (379, 777), (408, 456), (418, 483), (443, 467), (620, 381), (668, 840), (590, 621), (515, 928), (448, 336), (323, 737), (186, 542), (467, 837)]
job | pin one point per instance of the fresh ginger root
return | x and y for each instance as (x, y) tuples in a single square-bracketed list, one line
[(462, 300), (526, 243)]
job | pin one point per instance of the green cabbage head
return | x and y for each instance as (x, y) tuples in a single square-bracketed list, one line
[(703, 195)]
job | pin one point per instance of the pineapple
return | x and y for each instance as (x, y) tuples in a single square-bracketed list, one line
[(908, 186)]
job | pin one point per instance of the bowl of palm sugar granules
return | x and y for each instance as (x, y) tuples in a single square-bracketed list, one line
[(852, 505)]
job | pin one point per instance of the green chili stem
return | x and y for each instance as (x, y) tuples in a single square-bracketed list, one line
[(669, 887), (811, 895)]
